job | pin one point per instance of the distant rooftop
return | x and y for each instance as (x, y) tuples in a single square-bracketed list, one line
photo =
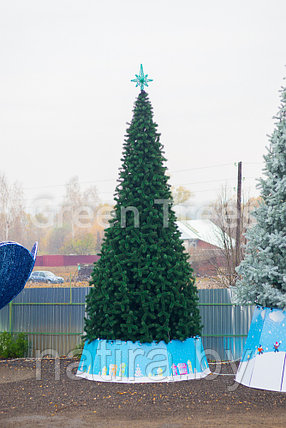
[(204, 230)]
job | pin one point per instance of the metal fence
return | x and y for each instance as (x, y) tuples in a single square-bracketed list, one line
[(53, 318)]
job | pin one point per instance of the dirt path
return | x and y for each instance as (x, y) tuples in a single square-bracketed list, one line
[(26, 401)]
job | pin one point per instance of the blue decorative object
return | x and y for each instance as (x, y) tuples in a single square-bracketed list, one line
[(263, 364), (16, 265), (135, 362), (141, 79)]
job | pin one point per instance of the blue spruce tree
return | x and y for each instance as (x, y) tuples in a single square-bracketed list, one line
[(262, 273)]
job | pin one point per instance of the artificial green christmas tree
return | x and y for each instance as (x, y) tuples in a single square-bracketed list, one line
[(143, 285), (262, 273)]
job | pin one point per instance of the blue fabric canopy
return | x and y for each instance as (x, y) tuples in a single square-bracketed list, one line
[(16, 265)]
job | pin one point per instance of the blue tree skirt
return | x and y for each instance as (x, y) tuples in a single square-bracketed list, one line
[(16, 265), (263, 364), (134, 362)]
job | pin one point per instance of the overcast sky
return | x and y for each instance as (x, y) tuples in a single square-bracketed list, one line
[(66, 95)]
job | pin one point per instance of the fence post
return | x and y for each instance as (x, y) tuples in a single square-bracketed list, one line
[(10, 317), (70, 289)]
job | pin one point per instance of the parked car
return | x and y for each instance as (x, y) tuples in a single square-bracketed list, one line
[(46, 276)]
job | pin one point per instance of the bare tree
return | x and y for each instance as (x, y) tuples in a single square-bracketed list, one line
[(77, 205), (181, 195), (12, 213), (223, 213), (181, 199), (72, 200), (75, 217)]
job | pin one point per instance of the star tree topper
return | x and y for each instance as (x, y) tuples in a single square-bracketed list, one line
[(141, 79)]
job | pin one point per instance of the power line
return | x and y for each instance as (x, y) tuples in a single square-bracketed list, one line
[(202, 167), (205, 182), (112, 179), (115, 178), (227, 180)]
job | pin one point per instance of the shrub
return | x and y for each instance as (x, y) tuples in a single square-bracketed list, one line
[(13, 345), (78, 350)]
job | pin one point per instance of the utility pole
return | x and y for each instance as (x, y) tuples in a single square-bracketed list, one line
[(238, 215)]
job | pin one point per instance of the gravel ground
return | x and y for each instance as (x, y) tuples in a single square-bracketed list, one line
[(73, 402)]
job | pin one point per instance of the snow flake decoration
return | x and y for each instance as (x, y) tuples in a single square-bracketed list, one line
[(141, 79)]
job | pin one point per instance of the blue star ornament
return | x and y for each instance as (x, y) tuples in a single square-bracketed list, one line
[(141, 79)]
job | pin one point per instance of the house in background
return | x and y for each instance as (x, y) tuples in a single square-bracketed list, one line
[(206, 243)]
